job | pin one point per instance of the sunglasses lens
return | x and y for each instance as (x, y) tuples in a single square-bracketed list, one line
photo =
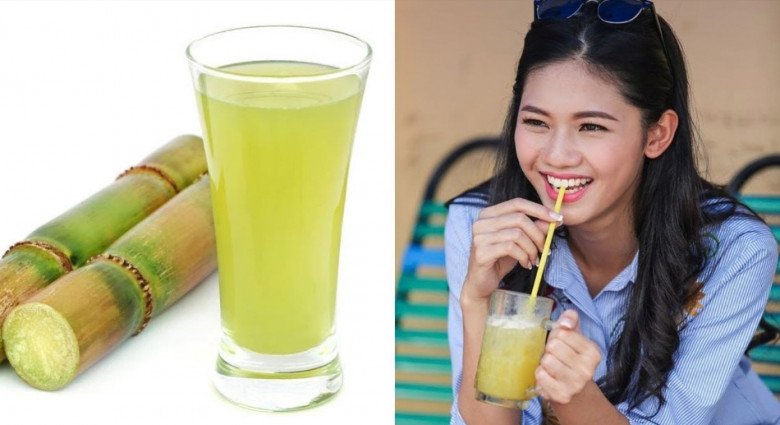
[(620, 11), (557, 9)]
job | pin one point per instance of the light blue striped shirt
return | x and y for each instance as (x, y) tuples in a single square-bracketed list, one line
[(712, 381)]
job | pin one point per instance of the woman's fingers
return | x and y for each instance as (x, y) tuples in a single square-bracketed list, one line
[(559, 380), (551, 388), (568, 332), (516, 236), (558, 349), (522, 206), (488, 254), (563, 373), (570, 360), (577, 342), (504, 235), (568, 363), (569, 319), (512, 221)]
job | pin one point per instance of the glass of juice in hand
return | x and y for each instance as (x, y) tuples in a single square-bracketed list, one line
[(278, 107), (512, 346)]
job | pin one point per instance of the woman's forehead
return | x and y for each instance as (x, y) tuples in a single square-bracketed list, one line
[(570, 87)]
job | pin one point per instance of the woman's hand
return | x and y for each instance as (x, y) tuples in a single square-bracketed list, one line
[(503, 235), (569, 361)]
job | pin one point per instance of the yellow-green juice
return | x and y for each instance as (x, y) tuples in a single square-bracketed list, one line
[(511, 351), (278, 152)]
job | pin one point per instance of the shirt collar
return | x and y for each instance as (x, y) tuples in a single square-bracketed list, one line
[(562, 270)]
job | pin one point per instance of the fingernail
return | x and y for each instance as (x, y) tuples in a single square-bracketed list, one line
[(566, 323), (555, 216), (536, 263)]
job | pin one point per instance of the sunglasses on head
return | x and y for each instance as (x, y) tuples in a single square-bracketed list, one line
[(609, 11)]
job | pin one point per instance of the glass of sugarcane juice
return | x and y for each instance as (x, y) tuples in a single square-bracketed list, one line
[(512, 347), (278, 107)]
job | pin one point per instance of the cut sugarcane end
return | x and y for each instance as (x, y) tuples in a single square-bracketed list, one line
[(41, 346)]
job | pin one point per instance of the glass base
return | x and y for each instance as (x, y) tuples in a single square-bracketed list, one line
[(278, 383), (497, 401)]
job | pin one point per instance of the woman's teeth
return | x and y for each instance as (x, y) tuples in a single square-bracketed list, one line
[(572, 185)]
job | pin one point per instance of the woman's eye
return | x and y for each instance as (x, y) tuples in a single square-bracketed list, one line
[(592, 127), (534, 123)]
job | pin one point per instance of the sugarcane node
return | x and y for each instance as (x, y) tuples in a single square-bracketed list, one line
[(153, 170), (146, 289), (8, 301), (47, 248)]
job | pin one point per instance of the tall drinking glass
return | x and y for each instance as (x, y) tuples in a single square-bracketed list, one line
[(512, 346), (278, 106)]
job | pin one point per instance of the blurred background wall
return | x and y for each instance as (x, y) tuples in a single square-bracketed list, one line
[(455, 63)]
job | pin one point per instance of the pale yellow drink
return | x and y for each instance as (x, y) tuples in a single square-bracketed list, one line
[(278, 155), (511, 351), (279, 106), (512, 347)]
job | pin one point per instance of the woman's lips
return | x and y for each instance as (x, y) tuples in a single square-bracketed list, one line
[(568, 198)]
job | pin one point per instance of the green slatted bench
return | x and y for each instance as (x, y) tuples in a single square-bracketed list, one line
[(423, 389), (764, 349), (420, 418), (431, 338), (768, 354)]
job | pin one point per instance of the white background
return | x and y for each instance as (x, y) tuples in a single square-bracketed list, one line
[(88, 89)]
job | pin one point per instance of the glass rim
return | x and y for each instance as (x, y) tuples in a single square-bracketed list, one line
[(337, 72), (510, 293)]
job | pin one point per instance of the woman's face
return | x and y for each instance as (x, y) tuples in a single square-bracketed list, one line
[(575, 128)]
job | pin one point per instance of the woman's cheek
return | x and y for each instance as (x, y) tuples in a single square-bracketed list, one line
[(526, 151)]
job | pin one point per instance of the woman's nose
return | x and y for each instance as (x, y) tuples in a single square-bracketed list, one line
[(560, 151)]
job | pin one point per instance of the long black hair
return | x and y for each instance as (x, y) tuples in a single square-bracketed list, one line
[(669, 217)]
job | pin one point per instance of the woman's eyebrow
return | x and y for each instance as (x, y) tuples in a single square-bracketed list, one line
[(594, 114), (531, 108), (578, 115)]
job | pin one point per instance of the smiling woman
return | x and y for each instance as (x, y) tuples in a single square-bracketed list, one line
[(603, 109), (576, 129)]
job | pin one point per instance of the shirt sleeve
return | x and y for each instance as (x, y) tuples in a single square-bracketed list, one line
[(713, 342), (457, 243), (457, 247)]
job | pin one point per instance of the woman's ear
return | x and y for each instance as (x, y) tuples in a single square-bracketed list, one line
[(661, 134)]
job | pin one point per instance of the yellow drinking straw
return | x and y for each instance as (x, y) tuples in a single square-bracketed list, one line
[(547, 243)]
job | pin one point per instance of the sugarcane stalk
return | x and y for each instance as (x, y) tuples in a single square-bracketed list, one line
[(65, 328), (93, 225), (66, 242)]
